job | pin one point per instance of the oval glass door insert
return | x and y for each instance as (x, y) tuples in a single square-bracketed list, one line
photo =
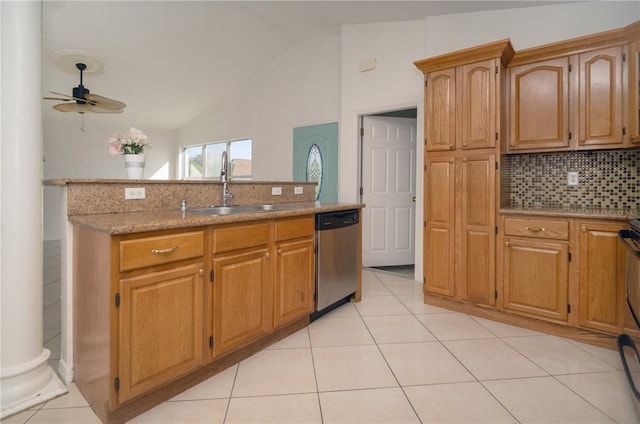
[(314, 168)]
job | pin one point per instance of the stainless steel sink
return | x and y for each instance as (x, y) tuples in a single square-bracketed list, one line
[(228, 210)]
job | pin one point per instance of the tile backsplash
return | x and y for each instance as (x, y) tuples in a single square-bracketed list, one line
[(607, 180)]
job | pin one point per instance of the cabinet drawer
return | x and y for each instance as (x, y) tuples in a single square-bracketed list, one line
[(159, 250), (240, 236), (292, 228), (539, 228)]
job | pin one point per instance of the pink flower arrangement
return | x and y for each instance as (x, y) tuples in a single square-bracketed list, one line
[(132, 143)]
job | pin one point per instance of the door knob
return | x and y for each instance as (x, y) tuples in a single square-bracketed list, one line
[(413, 199)]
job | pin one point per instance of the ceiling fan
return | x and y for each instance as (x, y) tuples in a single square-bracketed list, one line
[(84, 101)]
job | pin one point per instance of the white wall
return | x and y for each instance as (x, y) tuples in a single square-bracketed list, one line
[(300, 87), (394, 84), (526, 27), (72, 153)]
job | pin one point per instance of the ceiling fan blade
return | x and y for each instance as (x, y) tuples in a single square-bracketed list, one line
[(73, 107), (57, 98), (104, 102), (68, 97), (98, 109)]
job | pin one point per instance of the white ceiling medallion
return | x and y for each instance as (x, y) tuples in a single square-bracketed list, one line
[(67, 59)]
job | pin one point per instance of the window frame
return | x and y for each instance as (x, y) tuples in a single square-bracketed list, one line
[(203, 147)]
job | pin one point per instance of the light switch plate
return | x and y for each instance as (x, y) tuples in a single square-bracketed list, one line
[(297, 190), (276, 191)]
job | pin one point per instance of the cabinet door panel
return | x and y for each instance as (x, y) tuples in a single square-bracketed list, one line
[(160, 323), (439, 239), (477, 102), (478, 229), (536, 278), (241, 299), (440, 109), (601, 98), (294, 284), (634, 94), (539, 106), (602, 277)]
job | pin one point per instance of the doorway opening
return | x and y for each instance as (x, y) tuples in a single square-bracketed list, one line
[(388, 181)]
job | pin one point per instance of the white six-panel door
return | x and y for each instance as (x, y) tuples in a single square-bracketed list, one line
[(388, 182)]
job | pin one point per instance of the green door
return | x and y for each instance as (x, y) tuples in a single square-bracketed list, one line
[(315, 158)]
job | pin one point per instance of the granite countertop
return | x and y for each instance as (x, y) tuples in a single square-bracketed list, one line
[(135, 222), (571, 212)]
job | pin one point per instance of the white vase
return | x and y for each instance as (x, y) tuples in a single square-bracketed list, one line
[(134, 165)]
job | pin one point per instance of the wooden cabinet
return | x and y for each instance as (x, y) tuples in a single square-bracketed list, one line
[(160, 331), (572, 95), (536, 268), (478, 226), (600, 98), (440, 110), (241, 285), (602, 276), (460, 223), (146, 323), (439, 233), (294, 284), (634, 94), (539, 106), (138, 312), (461, 107), (463, 120), (263, 278), (159, 306)]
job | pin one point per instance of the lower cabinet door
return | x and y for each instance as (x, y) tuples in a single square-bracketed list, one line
[(536, 275), (242, 308), (160, 329), (602, 277), (294, 284)]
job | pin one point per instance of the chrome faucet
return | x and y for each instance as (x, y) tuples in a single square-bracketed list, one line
[(224, 178)]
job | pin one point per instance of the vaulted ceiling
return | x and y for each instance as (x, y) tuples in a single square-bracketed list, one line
[(169, 60)]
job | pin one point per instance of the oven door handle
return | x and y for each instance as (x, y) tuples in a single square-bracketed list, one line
[(625, 341), (630, 240)]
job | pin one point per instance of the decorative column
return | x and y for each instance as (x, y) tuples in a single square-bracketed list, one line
[(26, 379)]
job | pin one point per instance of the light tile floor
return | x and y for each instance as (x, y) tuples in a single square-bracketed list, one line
[(392, 359)]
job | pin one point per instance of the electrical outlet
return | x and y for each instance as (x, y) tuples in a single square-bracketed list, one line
[(276, 191), (572, 178), (134, 193), (297, 190)]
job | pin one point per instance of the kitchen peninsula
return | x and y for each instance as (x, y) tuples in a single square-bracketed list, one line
[(163, 298)]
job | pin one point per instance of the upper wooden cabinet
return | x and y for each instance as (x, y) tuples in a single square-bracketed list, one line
[(440, 108), (539, 105), (634, 93), (572, 95), (600, 99), (462, 97)]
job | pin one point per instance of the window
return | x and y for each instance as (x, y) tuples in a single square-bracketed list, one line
[(204, 161)]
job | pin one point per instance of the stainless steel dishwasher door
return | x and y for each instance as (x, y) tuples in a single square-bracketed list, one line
[(336, 257)]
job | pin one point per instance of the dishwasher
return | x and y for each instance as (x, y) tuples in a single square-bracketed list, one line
[(336, 259)]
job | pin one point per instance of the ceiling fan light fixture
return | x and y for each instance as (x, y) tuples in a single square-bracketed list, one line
[(83, 101)]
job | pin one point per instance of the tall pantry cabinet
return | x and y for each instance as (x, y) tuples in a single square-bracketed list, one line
[(463, 123)]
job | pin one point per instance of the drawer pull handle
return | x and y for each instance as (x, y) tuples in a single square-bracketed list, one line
[(535, 229), (164, 251)]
